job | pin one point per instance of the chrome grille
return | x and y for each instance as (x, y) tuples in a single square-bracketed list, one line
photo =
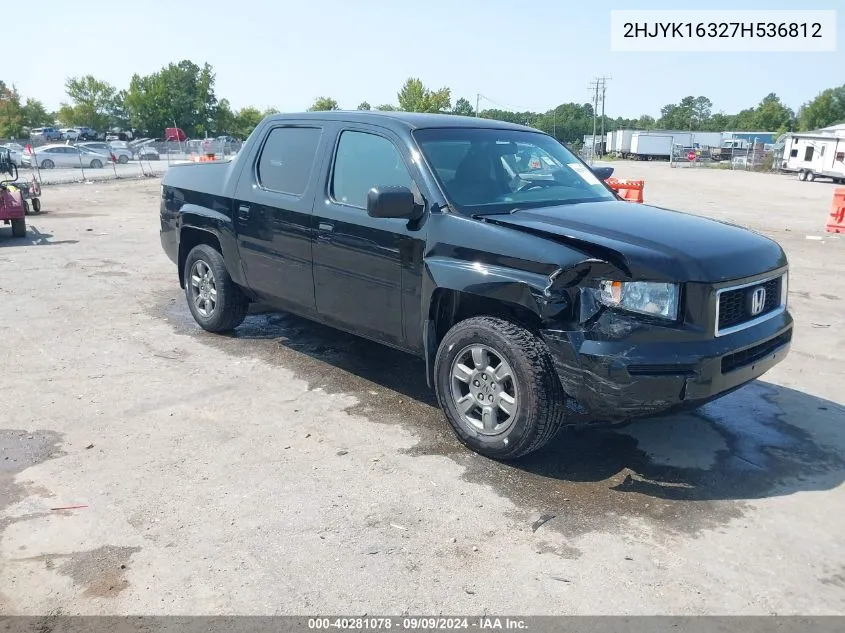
[(738, 308)]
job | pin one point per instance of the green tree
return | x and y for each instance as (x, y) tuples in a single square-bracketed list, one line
[(180, 93), (415, 97), (93, 103), (224, 118), (245, 121), (700, 110), (521, 118), (324, 103), (11, 118), (34, 114), (645, 122), (463, 107), (745, 120), (386, 107), (719, 122), (364, 106), (773, 116), (828, 108)]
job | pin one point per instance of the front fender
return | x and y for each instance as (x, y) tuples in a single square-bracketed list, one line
[(512, 286)]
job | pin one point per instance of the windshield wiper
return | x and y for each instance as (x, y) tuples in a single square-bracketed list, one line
[(508, 212)]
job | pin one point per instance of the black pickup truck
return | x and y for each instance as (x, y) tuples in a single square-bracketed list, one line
[(536, 296)]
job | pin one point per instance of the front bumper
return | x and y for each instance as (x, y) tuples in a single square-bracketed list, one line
[(619, 380)]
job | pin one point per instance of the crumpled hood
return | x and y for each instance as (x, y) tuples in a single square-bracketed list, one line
[(651, 242)]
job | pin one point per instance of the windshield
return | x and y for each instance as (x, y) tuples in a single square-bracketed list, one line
[(485, 171)]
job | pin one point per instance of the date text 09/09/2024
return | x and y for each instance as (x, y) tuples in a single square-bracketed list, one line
[(408, 623), (723, 29)]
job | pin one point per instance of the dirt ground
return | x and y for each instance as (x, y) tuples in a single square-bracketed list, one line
[(293, 469)]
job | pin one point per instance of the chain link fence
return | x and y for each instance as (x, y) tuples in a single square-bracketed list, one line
[(754, 157), (142, 158)]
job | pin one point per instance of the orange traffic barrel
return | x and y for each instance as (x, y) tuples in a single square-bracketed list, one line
[(629, 190), (836, 221)]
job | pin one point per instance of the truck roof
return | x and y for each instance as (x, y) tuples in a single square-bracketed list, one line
[(402, 120)]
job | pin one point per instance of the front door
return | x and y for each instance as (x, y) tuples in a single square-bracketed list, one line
[(272, 210), (360, 261)]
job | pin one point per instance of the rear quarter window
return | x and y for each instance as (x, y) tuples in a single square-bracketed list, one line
[(287, 159)]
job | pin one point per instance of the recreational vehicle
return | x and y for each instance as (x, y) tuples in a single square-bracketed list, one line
[(817, 154)]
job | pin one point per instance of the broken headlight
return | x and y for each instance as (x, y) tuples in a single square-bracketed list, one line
[(644, 297)]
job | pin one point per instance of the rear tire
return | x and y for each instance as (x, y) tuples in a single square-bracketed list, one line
[(531, 390), (96, 164), (19, 227), (123, 159), (810, 176), (216, 302), (36, 205), (47, 164)]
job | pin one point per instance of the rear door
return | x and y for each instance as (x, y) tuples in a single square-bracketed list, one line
[(272, 211)]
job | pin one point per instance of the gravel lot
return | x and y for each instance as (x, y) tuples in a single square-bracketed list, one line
[(294, 469)]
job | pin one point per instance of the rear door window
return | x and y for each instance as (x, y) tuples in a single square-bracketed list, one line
[(287, 159)]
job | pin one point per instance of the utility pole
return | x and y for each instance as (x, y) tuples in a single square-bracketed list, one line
[(599, 85), (603, 93), (477, 102), (594, 84)]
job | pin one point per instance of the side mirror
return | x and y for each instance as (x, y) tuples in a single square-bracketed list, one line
[(602, 173), (391, 202)]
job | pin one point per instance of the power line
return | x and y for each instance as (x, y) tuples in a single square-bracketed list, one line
[(505, 106)]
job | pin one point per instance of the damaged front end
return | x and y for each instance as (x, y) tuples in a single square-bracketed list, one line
[(652, 355)]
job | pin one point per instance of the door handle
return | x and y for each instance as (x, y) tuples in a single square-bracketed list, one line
[(325, 226), (243, 212)]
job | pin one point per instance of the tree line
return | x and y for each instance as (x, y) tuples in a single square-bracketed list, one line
[(183, 95)]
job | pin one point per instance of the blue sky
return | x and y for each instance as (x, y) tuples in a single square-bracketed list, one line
[(284, 53)]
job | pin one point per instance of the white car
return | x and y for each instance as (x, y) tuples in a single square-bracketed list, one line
[(119, 149), (63, 156), (15, 152), (70, 133)]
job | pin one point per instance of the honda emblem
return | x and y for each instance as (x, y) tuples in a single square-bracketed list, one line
[(758, 300)]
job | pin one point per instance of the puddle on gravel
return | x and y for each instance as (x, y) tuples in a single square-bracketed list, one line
[(102, 571), (686, 472)]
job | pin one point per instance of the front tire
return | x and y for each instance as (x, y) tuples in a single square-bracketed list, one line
[(215, 301), (19, 227), (123, 159), (497, 386), (47, 164), (96, 164)]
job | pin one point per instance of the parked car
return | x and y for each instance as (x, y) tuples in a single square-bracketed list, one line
[(119, 149), (118, 135), (63, 156), (147, 153), (45, 134), (86, 134), (69, 134), (15, 152), (535, 303)]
